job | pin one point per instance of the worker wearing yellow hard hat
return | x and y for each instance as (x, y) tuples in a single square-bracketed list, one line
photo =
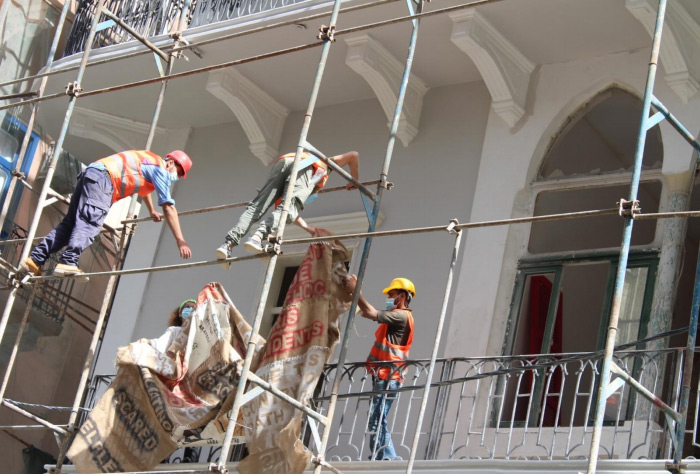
[(385, 364)]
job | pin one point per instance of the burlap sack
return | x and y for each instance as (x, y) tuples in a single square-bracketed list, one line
[(160, 401), (299, 345)]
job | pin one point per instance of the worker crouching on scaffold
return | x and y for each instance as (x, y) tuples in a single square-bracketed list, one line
[(311, 177), (103, 183), (392, 343)]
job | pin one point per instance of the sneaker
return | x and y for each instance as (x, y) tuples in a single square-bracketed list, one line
[(31, 266), (223, 252), (63, 269), (254, 244)]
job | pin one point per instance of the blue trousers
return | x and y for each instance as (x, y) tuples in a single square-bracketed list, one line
[(87, 211), (380, 444)]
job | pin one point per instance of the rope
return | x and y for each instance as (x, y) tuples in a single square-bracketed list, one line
[(44, 407)]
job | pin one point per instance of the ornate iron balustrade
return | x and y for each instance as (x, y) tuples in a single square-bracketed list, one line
[(515, 407), (158, 17)]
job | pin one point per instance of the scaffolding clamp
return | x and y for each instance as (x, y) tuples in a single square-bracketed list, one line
[(214, 467), (676, 467), (326, 33), (384, 183), (628, 208), (74, 89), (451, 227), (18, 174)]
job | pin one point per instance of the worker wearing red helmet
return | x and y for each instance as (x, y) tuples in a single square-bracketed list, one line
[(103, 183)]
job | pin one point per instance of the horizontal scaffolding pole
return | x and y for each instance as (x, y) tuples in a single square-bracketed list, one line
[(28, 427), (665, 215), (199, 43), (249, 59), (33, 417), (385, 233), (19, 95), (233, 205)]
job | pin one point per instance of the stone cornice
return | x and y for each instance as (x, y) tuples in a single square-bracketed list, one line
[(383, 72), (505, 70), (119, 133), (680, 44), (261, 116)]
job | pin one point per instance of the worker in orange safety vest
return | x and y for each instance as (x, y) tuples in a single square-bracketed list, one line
[(311, 177), (103, 183), (392, 343)]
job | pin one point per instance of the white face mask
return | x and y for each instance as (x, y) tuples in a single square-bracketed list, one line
[(173, 176), (389, 304)]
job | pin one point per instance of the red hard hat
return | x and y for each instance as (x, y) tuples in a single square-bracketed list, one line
[(182, 159)]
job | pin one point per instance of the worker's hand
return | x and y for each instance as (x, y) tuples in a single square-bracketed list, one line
[(350, 283), (350, 186), (156, 216), (185, 251), (319, 232)]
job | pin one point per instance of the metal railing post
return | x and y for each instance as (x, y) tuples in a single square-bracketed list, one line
[(626, 239), (368, 241), (30, 124), (433, 356)]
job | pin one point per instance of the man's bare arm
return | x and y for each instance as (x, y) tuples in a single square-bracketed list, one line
[(174, 223)]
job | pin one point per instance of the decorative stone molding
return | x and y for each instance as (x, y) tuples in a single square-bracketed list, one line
[(121, 134), (383, 72), (505, 70), (261, 116), (680, 45)]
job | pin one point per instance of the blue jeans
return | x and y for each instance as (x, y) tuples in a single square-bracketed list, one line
[(380, 444), (273, 189), (87, 211)]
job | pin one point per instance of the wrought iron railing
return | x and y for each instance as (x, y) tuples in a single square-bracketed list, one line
[(515, 407), (157, 17)]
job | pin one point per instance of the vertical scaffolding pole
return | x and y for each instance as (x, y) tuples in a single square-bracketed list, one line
[(687, 374), (52, 168), (103, 318), (433, 356), (644, 126), (15, 347), (327, 36), (368, 241), (32, 117)]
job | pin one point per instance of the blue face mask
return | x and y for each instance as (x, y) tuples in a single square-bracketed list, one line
[(173, 176), (187, 312), (311, 198), (389, 304)]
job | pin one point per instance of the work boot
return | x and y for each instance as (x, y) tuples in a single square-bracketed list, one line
[(223, 252), (63, 269), (254, 244), (31, 266)]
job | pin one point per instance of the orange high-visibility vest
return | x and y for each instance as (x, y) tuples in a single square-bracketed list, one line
[(383, 350), (125, 170), (316, 164)]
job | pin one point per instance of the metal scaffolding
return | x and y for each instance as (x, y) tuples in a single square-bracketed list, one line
[(628, 209)]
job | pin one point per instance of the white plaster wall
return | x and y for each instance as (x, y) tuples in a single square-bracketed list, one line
[(509, 162), (435, 178)]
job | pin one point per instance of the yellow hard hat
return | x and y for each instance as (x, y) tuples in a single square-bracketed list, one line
[(401, 284)]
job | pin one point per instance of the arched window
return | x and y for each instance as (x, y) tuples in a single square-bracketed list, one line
[(563, 290)]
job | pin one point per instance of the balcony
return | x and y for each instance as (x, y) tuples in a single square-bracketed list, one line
[(156, 17), (500, 409)]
